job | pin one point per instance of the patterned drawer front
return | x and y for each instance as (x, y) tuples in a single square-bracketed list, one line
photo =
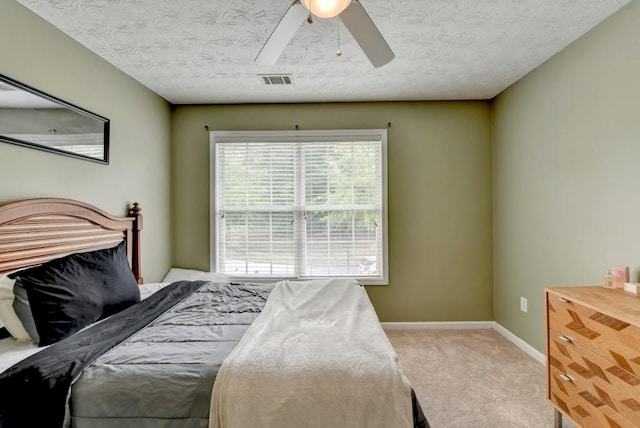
[(609, 337), (582, 406), (615, 387)]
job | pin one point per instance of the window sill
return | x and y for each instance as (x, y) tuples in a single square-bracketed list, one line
[(266, 280)]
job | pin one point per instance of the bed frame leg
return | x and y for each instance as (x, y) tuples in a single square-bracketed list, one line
[(557, 418)]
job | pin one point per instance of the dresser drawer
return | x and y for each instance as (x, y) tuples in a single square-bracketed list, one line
[(615, 340), (583, 407), (616, 388)]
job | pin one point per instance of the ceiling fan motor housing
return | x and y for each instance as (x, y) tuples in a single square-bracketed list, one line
[(326, 8)]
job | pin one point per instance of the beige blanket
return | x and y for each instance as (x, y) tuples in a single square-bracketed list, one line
[(315, 357)]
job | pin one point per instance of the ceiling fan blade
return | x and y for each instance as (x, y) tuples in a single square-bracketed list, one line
[(283, 33), (362, 28)]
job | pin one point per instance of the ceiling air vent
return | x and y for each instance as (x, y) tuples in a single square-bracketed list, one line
[(4, 87), (276, 79)]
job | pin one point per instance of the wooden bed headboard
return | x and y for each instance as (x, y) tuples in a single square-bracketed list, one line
[(33, 231)]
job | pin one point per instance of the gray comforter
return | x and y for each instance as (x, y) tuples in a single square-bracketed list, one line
[(163, 375)]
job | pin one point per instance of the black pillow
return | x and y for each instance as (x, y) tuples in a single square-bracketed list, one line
[(71, 292)]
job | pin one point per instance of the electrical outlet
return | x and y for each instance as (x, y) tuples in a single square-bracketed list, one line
[(523, 304)]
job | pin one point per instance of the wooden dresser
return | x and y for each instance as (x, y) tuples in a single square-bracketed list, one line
[(593, 356)]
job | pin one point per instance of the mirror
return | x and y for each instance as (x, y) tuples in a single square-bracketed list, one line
[(34, 119)]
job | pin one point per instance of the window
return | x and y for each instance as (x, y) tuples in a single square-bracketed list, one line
[(299, 204)]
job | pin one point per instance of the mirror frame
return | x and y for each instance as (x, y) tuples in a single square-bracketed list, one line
[(34, 145)]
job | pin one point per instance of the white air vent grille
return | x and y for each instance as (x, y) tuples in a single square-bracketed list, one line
[(276, 79), (5, 87)]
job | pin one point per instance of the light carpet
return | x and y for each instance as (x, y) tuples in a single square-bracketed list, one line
[(473, 378)]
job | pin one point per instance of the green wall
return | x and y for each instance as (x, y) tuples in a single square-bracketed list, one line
[(37, 54), (566, 172), (439, 196)]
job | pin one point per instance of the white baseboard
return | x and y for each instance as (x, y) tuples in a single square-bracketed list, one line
[(460, 325), (445, 325), (528, 349)]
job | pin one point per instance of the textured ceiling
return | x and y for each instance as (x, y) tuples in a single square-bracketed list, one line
[(202, 51)]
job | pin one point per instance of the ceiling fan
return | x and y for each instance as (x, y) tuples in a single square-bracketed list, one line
[(353, 16)]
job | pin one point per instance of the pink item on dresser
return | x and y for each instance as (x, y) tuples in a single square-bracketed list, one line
[(620, 275)]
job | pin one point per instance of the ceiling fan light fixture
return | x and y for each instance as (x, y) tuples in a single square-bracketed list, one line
[(326, 8)]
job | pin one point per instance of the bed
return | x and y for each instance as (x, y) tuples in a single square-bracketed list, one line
[(193, 353)]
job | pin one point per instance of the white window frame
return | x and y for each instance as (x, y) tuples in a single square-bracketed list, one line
[(301, 136)]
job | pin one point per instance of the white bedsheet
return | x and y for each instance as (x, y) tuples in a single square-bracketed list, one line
[(12, 351), (148, 289), (316, 356)]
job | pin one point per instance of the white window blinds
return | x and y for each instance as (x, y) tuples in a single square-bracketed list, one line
[(311, 208)]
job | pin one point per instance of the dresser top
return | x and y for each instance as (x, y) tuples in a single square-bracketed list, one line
[(610, 301)]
